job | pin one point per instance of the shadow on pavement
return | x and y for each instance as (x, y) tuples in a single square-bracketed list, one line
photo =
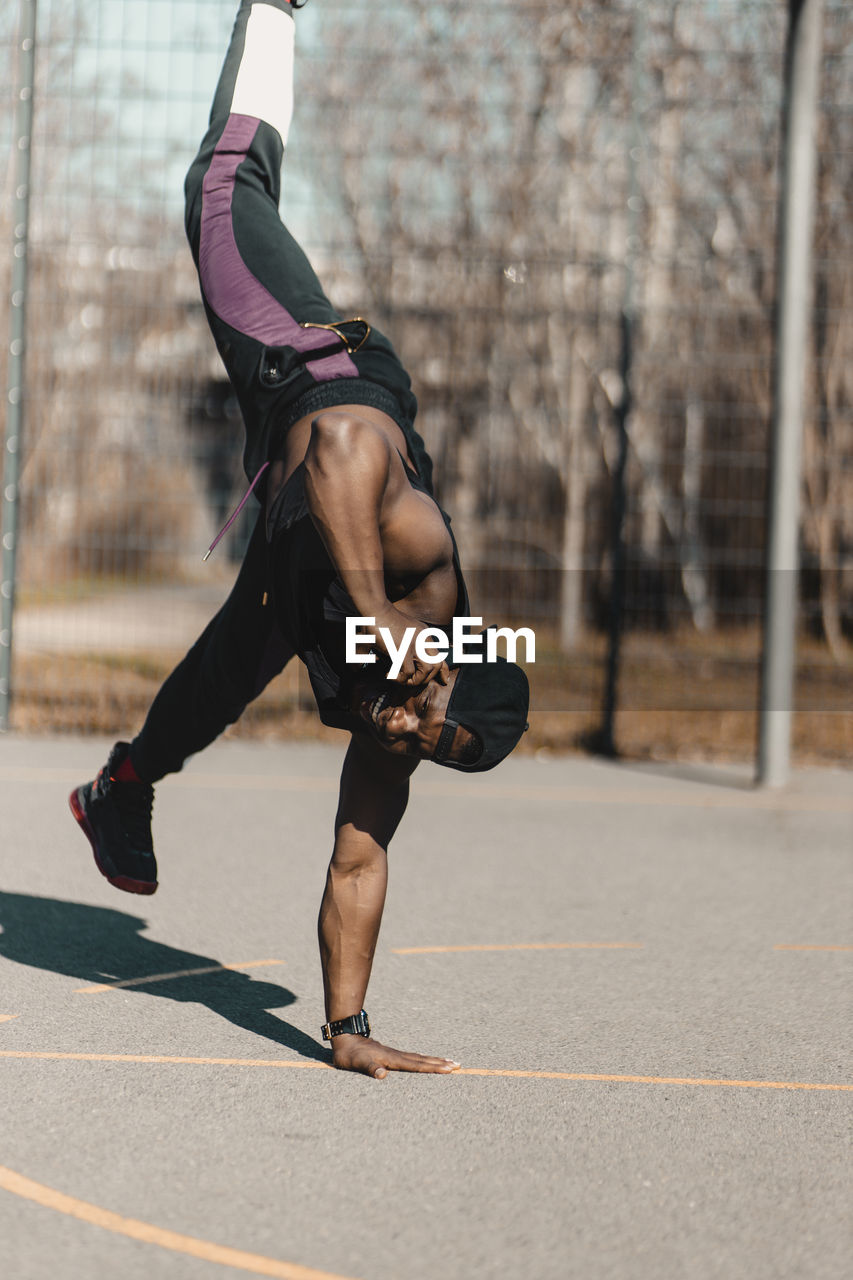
[(99, 945)]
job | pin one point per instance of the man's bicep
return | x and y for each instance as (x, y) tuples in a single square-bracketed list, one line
[(374, 790)]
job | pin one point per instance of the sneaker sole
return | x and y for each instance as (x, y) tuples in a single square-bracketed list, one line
[(104, 866)]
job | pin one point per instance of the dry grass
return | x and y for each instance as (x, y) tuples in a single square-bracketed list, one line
[(685, 698)]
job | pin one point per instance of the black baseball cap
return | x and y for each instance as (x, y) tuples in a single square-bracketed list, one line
[(491, 699)]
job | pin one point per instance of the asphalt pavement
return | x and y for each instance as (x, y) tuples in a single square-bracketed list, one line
[(644, 971)]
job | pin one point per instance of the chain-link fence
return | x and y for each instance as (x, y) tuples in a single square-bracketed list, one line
[(564, 216)]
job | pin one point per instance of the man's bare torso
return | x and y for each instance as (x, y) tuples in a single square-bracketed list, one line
[(416, 545)]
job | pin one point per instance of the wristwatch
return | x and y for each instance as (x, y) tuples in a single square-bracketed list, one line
[(357, 1025)]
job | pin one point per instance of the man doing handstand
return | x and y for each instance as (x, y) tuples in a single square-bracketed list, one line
[(349, 528)]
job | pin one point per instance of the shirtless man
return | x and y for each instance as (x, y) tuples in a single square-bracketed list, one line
[(349, 528)]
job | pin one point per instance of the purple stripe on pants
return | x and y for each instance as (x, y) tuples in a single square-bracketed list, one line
[(232, 292)]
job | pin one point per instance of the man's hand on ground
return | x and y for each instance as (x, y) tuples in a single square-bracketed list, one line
[(356, 1053)]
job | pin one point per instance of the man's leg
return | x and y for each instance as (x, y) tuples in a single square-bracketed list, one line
[(287, 350), (236, 172), (230, 664), (242, 648), (261, 294), (236, 656), (254, 280)]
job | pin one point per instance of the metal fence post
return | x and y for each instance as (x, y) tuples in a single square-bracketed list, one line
[(796, 223), (17, 338), (605, 739)]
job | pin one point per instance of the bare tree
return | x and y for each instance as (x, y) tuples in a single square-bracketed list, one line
[(497, 180)]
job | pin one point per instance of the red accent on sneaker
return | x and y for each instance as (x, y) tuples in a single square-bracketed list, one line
[(126, 772)]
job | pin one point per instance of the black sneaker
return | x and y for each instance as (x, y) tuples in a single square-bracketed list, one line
[(116, 818)]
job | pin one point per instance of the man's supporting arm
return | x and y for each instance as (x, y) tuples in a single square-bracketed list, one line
[(373, 797)]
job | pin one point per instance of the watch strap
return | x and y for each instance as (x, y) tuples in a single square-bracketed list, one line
[(357, 1025)]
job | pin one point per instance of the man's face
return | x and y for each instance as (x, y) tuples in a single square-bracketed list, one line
[(407, 721)]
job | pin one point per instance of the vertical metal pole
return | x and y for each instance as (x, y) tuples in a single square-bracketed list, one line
[(618, 552), (794, 289), (17, 337), (605, 738)]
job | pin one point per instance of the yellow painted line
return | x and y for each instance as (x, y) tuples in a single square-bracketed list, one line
[(522, 946), (158, 1058), (165, 977), (18, 1185), (711, 798), (7, 1017), (464, 1071), (803, 946), (730, 1084)]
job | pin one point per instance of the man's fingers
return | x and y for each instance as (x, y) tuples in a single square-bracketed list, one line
[(442, 1068), (377, 1060), (419, 1062), (425, 675), (414, 677), (440, 672), (425, 1058), (414, 671)]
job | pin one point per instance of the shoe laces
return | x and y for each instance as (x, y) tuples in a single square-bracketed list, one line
[(134, 802)]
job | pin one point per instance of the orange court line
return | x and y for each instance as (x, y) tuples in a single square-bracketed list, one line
[(8, 1017), (805, 946), (164, 977), (731, 1084), (49, 1198), (158, 1058), (523, 946), (463, 1071)]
